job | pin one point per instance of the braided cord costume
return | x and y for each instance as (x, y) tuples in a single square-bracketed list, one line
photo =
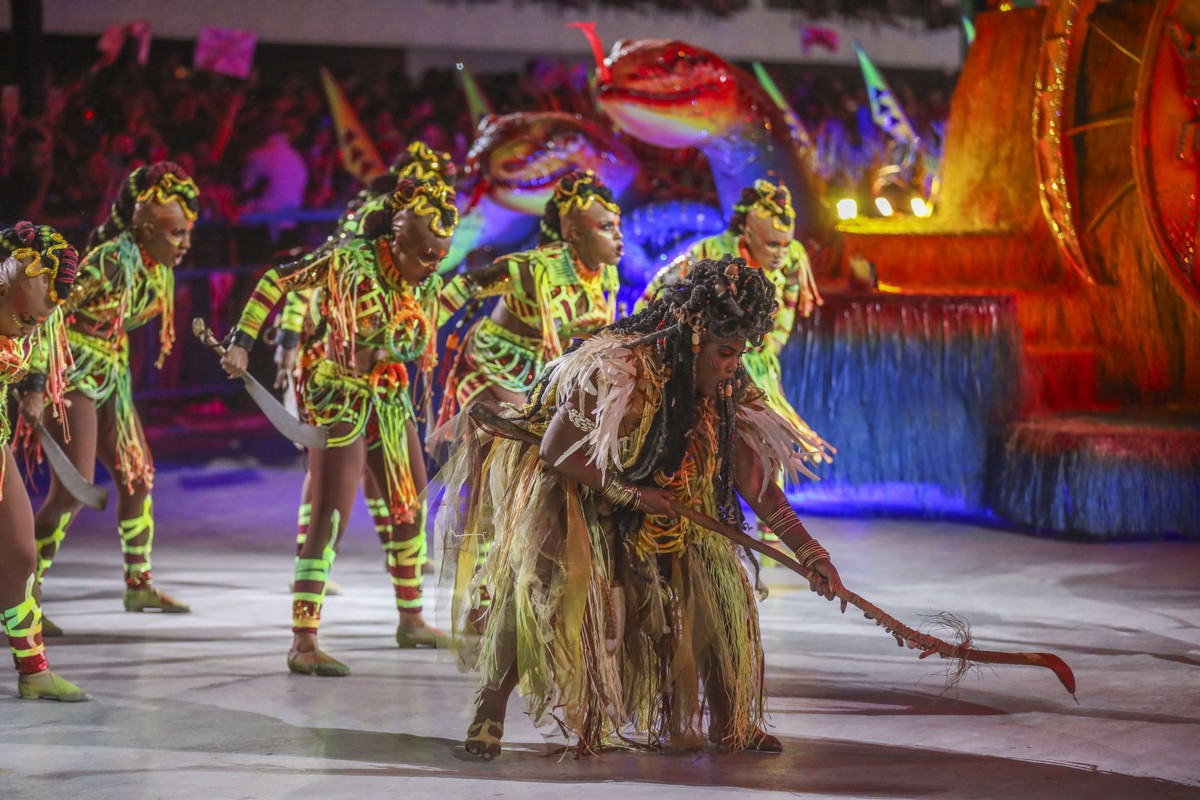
[(118, 290), (48, 349), (549, 291), (347, 294), (560, 559), (22, 623), (299, 320)]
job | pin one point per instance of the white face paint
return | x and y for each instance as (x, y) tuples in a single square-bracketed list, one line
[(163, 230), (24, 301)]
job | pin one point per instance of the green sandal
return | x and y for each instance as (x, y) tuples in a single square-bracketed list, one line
[(45, 685), (148, 597), (317, 662)]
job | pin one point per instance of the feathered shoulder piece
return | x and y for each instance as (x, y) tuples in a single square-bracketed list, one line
[(776, 442), (620, 384)]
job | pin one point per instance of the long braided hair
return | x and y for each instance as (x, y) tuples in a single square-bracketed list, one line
[(579, 188), (161, 182), (723, 299), (51, 253)]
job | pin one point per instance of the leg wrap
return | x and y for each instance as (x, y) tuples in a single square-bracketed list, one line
[(47, 546), (303, 519), (382, 518), (404, 565), (23, 627), (310, 578), (137, 556)]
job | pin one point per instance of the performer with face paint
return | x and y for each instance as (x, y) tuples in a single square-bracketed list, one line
[(126, 280), (37, 272), (404, 542), (378, 302), (614, 617), (565, 288), (761, 231)]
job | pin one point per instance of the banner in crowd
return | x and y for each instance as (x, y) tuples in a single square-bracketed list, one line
[(229, 51), (817, 36), (885, 108), (359, 156), (113, 40)]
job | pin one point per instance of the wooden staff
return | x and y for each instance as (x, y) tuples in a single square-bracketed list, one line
[(963, 653)]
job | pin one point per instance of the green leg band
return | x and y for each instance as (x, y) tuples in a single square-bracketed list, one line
[(404, 565), (303, 520), (23, 628), (137, 556), (381, 516), (306, 605), (53, 541)]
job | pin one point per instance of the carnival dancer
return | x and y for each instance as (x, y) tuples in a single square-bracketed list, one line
[(564, 288), (378, 294), (614, 617), (404, 543), (36, 275), (126, 280), (761, 231)]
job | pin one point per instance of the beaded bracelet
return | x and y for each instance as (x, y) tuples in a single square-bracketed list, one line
[(811, 552), (580, 420), (781, 519), (621, 494)]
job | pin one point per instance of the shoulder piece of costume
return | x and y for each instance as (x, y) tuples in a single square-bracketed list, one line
[(724, 243), (776, 442), (608, 375)]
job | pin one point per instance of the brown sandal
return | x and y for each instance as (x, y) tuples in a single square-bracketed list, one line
[(484, 743)]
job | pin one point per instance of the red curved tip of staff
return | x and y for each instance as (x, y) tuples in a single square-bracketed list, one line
[(1059, 668)]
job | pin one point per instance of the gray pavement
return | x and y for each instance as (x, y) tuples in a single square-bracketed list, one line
[(202, 706)]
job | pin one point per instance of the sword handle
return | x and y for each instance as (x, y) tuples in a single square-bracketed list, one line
[(204, 334)]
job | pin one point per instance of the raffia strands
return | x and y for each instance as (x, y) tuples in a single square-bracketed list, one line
[(908, 388), (1097, 476), (945, 625)]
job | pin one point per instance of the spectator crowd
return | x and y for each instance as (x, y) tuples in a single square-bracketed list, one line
[(267, 143)]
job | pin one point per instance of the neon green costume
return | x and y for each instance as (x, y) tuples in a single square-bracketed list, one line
[(547, 290)]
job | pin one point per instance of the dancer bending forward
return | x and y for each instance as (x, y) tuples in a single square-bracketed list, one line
[(613, 616)]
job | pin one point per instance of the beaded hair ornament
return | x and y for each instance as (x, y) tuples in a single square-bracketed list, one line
[(770, 201), (167, 188), (428, 197), (579, 193), (426, 163), (683, 308), (49, 252)]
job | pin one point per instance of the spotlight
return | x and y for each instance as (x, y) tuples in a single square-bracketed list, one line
[(885, 208), (847, 208), (920, 208)]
